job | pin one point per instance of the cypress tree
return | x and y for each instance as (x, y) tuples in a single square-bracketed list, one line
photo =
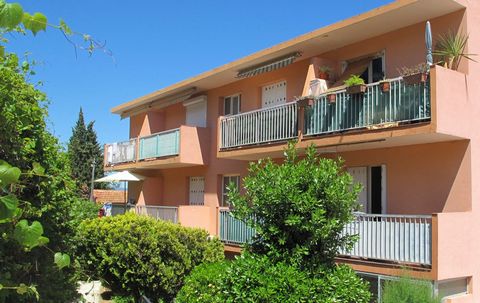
[(83, 149), (95, 152)]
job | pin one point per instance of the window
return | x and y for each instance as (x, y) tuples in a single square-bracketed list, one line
[(226, 180), (196, 190), (372, 198), (371, 69), (196, 111), (375, 71), (231, 105), (274, 94)]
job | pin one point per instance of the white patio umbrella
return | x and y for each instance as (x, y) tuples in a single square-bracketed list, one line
[(428, 44), (124, 176)]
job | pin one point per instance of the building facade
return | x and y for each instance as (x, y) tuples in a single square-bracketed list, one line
[(414, 146)]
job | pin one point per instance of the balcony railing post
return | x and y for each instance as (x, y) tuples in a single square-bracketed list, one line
[(137, 148)]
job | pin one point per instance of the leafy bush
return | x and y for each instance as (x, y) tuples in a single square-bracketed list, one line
[(298, 208), (408, 290), (121, 299), (138, 255), (354, 80), (257, 279), (24, 140)]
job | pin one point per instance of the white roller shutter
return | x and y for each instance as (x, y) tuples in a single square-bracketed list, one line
[(359, 175), (274, 94), (196, 112), (196, 190)]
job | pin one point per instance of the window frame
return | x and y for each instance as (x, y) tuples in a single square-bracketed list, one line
[(223, 202), (230, 97)]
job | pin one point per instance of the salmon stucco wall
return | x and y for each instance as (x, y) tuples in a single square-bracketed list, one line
[(422, 179)]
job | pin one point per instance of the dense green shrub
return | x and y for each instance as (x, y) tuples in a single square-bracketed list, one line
[(123, 299), (25, 140), (138, 255), (298, 207), (252, 278), (408, 290)]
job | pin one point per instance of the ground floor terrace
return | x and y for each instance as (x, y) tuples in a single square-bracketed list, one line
[(415, 211)]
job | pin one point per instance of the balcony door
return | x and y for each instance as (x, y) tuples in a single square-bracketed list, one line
[(274, 94), (196, 192), (372, 198)]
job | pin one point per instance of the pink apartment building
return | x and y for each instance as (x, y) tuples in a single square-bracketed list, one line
[(414, 147)]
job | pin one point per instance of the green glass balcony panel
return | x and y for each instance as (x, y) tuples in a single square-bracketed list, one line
[(160, 144)]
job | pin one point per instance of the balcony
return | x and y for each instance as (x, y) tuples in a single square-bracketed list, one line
[(382, 238), (392, 238), (233, 231), (256, 134), (180, 147), (401, 104), (436, 111), (273, 124), (166, 213), (427, 245)]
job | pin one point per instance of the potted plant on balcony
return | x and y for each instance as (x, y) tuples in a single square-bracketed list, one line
[(450, 49), (415, 75), (355, 85), (384, 85), (324, 72)]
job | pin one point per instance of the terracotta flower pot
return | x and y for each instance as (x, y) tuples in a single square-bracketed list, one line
[(331, 98), (324, 76), (356, 89), (385, 86)]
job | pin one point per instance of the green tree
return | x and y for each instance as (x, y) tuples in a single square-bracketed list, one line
[(298, 207), (25, 141), (45, 199), (83, 151)]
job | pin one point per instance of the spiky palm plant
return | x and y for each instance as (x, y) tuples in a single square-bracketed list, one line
[(450, 49)]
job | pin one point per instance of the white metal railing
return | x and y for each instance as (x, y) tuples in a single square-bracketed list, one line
[(275, 123), (121, 152), (166, 213), (396, 238)]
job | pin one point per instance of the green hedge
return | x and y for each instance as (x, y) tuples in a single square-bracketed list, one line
[(137, 255), (258, 279)]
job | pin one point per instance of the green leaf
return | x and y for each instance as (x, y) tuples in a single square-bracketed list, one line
[(22, 289), (2, 51), (8, 207), (61, 260), (11, 15), (38, 169), (35, 23), (8, 174), (29, 236), (65, 28)]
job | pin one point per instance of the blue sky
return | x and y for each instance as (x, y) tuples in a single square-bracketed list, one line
[(155, 44)]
